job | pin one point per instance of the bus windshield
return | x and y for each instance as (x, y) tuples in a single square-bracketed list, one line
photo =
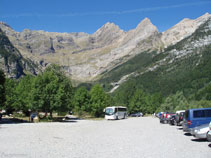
[(109, 111)]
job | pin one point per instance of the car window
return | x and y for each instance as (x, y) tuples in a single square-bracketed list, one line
[(186, 114), (198, 113), (208, 113)]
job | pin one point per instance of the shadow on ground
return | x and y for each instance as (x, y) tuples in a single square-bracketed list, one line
[(187, 134), (199, 140), (12, 121), (57, 119), (67, 119)]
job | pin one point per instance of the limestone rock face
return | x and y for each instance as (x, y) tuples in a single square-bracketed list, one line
[(12, 62), (183, 29), (108, 34), (85, 57)]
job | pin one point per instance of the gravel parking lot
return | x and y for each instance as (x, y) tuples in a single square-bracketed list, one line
[(129, 138)]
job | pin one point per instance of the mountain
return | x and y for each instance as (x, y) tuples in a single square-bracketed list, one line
[(12, 62), (90, 57), (84, 56), (183, 29), (184, 66)]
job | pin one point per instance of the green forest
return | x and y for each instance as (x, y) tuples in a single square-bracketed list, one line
[(51, 91)]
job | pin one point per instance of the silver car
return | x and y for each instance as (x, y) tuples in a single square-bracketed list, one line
[(209, 133), (200, 132)]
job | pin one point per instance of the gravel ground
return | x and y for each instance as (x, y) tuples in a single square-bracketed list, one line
[(129, 138)]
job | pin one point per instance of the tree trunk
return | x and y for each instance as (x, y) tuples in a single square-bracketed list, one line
[(51, 114)]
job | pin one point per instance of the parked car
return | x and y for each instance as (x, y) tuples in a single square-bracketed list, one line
[(159, 115), (165, 117), (209, 133), (179, 118), (162, 117), (172, 120), (138, 114), (180, 111), (196, 117), (200, 132)]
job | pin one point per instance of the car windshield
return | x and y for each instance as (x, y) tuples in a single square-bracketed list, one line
[(109, 111)]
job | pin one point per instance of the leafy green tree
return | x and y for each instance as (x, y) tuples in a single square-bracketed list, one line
[(64, 95), (99, 100), (23, 92), (81, 101), (204, 93), (194, 104), (175, 102), (153, 102), (138, 102), (2, 88), (52, 91), (168, 105), (124, 93), (11, 96)]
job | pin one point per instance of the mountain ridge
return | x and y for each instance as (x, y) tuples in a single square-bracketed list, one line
[(85, 57), (188, 55)]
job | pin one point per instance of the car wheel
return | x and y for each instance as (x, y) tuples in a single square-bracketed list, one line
[(208, 137), (117, 118)]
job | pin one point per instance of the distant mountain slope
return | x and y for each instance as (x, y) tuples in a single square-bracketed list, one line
[(12, 62), (185, 66), (86, 57)]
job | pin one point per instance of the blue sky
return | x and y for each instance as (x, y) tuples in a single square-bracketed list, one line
[(89, 15)]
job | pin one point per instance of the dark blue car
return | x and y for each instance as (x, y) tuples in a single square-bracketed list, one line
[(196, 117)]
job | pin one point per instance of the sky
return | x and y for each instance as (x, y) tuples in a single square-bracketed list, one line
[(89, 15)]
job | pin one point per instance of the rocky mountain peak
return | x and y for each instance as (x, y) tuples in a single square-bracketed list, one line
[(108, 27), (203, 18), (4, 24), (182, 29), (107, 33), (146, 24), (7, 29)]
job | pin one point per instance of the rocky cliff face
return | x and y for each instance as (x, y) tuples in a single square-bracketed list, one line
[(183, 29), (85, 57), (12, 62)]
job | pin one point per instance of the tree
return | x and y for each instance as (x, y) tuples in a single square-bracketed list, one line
[(23, 91), (99, 100), (175, 102), (2, 89), (81, 101), (125, 92), (51, 91), (138, 102), (11, 96), (204, 93)]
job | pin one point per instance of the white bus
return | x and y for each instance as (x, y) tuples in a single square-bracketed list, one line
[(115, 113)]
